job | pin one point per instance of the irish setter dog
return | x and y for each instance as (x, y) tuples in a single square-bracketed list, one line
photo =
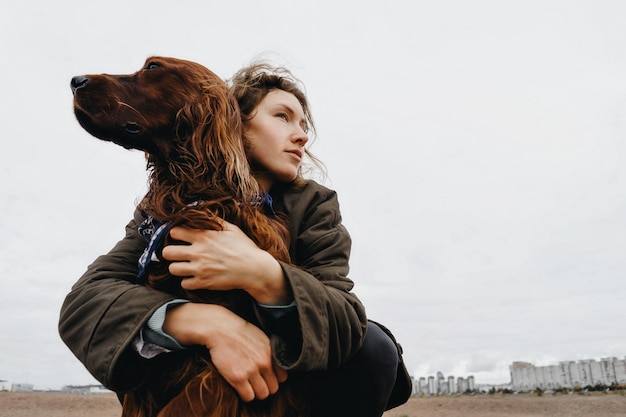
[(182, 116)]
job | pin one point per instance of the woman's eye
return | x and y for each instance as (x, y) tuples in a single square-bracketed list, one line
[(152, 65), (282, 116)]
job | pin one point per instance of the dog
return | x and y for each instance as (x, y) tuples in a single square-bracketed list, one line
[(188, 124)]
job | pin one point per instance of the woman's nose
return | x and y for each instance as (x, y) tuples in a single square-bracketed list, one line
[(300, 136)]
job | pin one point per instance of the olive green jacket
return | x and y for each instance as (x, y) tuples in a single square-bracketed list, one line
[(105, 310)]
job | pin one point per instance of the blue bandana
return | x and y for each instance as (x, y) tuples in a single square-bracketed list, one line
[(154, 231)]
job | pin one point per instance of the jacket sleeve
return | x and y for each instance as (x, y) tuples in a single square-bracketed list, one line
[(330, 323), (105, 310)]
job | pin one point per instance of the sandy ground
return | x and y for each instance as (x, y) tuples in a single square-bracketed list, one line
[(52, 404), (106, 405), (597, 405)]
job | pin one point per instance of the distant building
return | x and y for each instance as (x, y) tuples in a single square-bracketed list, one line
[(85, 389), (620, 371), (451, 385), (527, 377), (465, 385), (440, 385), (432, 390), (22, 387)]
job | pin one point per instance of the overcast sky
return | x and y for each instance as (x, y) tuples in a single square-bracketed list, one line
[(478, 149)]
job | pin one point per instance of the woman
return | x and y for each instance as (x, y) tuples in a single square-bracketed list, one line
[(317, 327)]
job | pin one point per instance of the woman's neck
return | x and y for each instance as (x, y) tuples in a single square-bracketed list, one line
[(265, 183)]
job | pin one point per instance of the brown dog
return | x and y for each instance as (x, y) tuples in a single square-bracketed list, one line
[(183, 117)]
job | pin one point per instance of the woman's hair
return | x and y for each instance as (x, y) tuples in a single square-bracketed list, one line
[(251, 84)]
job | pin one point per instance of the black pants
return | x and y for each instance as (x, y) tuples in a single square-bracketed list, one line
[(361, 387)]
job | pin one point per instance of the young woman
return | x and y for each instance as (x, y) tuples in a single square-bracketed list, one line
[(317, 327)]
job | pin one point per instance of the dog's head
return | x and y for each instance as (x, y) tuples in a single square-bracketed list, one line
[(166, 99), (177, 111)]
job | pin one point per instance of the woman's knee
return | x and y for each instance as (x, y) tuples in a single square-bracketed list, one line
[(377, 341), (378, 348)]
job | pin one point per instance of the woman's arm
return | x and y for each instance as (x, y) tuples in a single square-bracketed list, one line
[(105, 310), (330, 321)]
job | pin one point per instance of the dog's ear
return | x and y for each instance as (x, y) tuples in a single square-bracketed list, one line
[(215, 140)]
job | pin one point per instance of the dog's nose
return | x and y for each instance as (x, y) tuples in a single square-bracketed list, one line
[(78, 82)]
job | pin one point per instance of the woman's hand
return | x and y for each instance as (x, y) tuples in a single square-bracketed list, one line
[(240, 351), (225, 260)]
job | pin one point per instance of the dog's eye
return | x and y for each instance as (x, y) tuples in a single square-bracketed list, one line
[(152, 65)]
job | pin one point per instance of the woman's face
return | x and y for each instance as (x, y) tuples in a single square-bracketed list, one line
[(276, 135)]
